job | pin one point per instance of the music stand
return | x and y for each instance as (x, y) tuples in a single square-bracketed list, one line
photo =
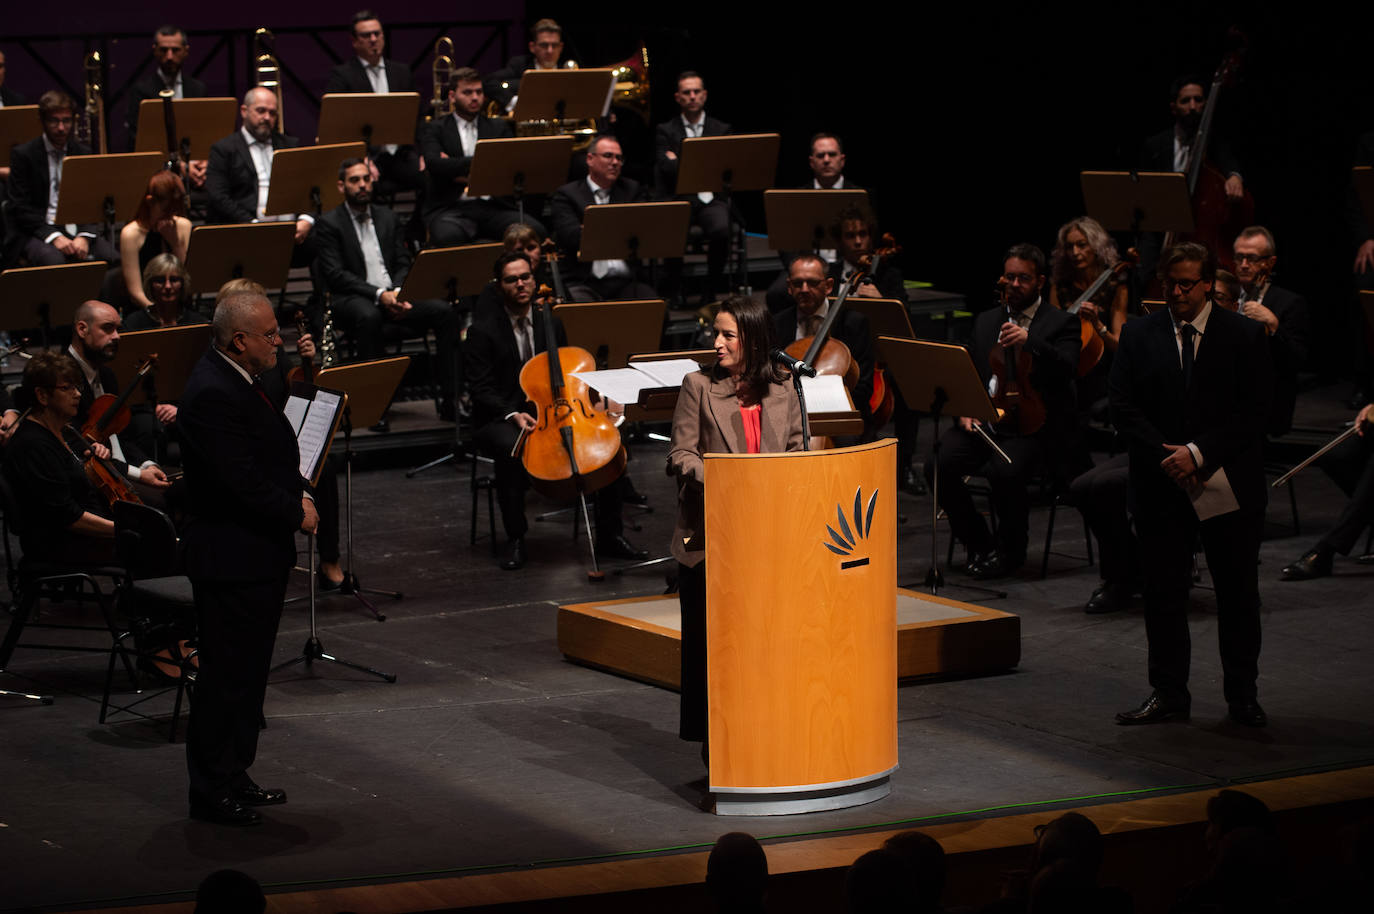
[(16, 126), (178, 349), (449, 274), (375, 118), (942, 375), (47, 297), (886, 316), (314, 414), (612, 330), (634, 231), (306, 179), (515, 167), (723, 165), (564, 95), (369, 387), (804, 220), (1138, 201), (104, 188), (218, 253), (200, 122)]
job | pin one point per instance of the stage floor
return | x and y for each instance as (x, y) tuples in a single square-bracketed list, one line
[(491, 751)]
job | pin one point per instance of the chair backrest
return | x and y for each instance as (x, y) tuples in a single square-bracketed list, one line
[(145, 541)]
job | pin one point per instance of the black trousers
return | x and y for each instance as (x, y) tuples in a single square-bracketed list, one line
[(714, 220), (238, 629), (1231, 543), (691, 594), (365, 321), (1101, 496), (476, 219), (964, 453), (1351, 465)]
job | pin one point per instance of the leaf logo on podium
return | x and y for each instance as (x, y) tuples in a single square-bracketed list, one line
[(846, 540)]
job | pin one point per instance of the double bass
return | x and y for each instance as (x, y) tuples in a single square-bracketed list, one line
[(574, 448)]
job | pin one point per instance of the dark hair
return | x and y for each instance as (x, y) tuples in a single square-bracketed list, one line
[(169, 29), (924, 860), (54, 100), (1072, 836), (362, 16), (825, 136), (463, 75), (545, 25), (737, 871), (755, 325), (1232, 809), (876, 883), (509, 257), (229, 890), (45, 370), (853, 214), (591, 149), (1192, 252), (348, 163), (1187, 79), (1027, 252), (162, 184), (689, 74)]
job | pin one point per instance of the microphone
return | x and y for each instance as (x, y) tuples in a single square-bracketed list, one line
[(796, 366)]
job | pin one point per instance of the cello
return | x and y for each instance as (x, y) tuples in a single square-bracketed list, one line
[(574, 448)]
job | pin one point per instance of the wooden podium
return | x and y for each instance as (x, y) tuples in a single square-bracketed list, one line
[(801, 616)]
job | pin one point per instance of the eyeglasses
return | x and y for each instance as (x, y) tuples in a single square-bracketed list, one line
[(272, 336), (520, 277), (1183, 285), (65, 388)]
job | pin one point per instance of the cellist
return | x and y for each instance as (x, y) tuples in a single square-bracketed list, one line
[(498, 345), (1023, 332)]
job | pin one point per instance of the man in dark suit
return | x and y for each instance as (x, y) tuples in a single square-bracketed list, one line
[(1027, 326), (246, 501), (1284, 315), (33, 192), (709, 212), (448, 145), (1189, 392), (545, 49), (364, 261), (170, 50), (607, 280), (8, 97), (498, 345), (369, 71)]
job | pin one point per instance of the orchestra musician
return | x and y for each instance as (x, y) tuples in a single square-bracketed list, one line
[(247, 500), (1082, 250), (1190, 391), (1283, 313), (742, 404), (498, 345), (517, 237), (545, 53), (1351, 466), (1024, 329), (170, 50), (159, 227)]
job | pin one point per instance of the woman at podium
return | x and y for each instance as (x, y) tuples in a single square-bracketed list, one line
[(740, 405), (159, 226)]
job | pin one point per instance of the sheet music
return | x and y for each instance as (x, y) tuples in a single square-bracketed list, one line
[(313, 423), (624, 384), (1214, 497), (668, 372), (825, 393)]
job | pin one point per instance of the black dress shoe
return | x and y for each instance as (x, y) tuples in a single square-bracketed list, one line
[(224, 811), (913, 483), (1155, 710), (618, 547), (253, 795), (1106, 599), (515, 558), (975, 561), (995, 565), (382, 427), (1248, 713), (323, 584), (1315, 564)]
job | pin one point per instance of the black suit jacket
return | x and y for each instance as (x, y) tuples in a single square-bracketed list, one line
[(341, 256), (851, 328), (1053, 344), (1288, 350), (566, 209), (242, 476), (1157, 154), (231, 179), (668, 138), (504, 84), (438, 139), (11, 97), (28, 189), (492, 365), (149, 87), (1222, 412), (350, 77)]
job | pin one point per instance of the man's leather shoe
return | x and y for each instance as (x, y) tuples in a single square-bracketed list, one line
[(1106, 599), (515, 558), (913, 483), (995, 566), (1248, 713), (618, 547), (253, 795), (224, 811), (1315, 564), (1155, 710), (382, 427)]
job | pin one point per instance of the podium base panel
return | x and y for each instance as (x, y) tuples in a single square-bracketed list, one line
[(640, 637), (780, 802)]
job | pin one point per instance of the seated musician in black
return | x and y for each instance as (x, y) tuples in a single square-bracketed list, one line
[(498, 345), (1048, 337), (517, 237), (63, 517)]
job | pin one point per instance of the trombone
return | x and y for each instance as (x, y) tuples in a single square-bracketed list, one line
[(90, 126), (269, 70), (440, 106)]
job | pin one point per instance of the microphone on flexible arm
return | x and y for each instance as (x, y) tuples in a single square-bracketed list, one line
[(796, 366)]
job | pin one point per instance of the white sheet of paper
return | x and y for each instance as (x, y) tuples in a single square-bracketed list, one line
[(1215, 498), (312, 422), (825, 393), (667, 372), (619, 384)]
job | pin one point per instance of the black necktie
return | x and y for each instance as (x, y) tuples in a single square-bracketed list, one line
[(1187, 331)]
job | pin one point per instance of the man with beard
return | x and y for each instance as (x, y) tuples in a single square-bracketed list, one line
[(1027, 325), (1284, 315), (170, 50), (364, 261), (240, 171)]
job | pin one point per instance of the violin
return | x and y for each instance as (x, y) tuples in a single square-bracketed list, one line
[(1091, 344), (101, 472), (574, 447), (883, 401), (1010, 385), (109, 415)]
